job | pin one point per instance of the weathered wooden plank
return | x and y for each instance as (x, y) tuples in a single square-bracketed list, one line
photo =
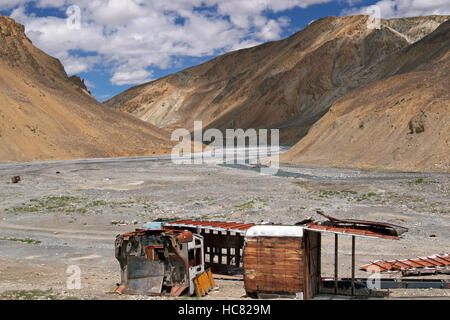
[(276, 240), (274, 265), (274, 247), (291, 266), (274, 286), (266, 279), (275, 273), (289, 246), (272, 251), (268, 286), (286, 266), (276, 256)]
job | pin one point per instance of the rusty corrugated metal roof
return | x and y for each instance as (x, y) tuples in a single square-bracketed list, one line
[(349, 231), (360, 228), (433, 264), (238, 227)]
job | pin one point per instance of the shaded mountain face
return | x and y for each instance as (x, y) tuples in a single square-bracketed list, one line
[(288, 84), (46, 115), (400, 123)]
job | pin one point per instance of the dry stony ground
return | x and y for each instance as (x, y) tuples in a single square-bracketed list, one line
[(60, 214)]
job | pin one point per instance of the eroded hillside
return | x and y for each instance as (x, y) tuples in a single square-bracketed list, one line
[(399, 123), (46, 115), (288, 84)]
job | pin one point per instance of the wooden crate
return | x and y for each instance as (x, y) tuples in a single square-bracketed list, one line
[(274, 265)]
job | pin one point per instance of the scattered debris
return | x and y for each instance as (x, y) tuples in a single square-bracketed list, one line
[(16, 179), (152, 261), (278, 260), (120, 223), (438, 263)]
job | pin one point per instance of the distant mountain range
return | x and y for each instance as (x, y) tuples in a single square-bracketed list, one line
[(401, 122), (390, 76), (46, 115)]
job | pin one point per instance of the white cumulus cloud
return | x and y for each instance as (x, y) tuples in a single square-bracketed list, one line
[(132, 36), (406, 8)]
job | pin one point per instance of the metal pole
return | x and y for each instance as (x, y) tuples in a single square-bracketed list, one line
[(335, 263), (353, 265)]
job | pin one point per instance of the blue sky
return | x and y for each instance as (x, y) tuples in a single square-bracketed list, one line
[(116, 44)]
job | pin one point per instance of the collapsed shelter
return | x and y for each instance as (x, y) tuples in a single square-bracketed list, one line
[(286, 260), (274, 260)]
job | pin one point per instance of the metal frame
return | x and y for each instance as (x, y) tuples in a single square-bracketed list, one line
[(223, 243)]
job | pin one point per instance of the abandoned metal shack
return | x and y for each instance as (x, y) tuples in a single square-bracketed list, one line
[(286, 260), (274, 259)]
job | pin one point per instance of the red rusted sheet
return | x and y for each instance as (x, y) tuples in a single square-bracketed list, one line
[(438, 263), (349, 231), (237, 227), (359, 228)]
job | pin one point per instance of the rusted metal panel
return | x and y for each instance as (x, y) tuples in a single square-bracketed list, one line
[(151, 260), (238, 227), (349, 232), (438, 263), (144, 276), (204, 283), (359, 228)]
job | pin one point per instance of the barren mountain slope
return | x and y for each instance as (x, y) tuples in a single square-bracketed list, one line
[(288, 84), (400, 123), (46, 115)]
